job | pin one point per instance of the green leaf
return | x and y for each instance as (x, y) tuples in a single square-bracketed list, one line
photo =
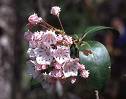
[(98, 63), (90, 31)]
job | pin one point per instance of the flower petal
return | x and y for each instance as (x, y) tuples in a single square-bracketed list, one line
[(56, 73), (61, 54), (70, 68), (31, 53), (43, 56), (49, 37)]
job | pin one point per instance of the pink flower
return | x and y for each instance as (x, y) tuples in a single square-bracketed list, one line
[(81, 66), (67, 40), (55, 10), (70, 68), (84, 73), (36, 39), (34, 19), (43, 56), (49, 37), (56, 73), (57, 65), (59, 38), (61, 54)]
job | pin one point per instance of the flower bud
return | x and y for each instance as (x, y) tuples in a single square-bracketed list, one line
[(55, 10), (34, 19)]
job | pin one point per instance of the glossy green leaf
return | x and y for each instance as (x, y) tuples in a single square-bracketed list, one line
[(98, 63), (91, 31)]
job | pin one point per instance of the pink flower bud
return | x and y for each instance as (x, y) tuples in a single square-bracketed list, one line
[(34, 19), (55, 10)]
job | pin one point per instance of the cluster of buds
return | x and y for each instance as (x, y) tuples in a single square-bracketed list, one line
[(49, 51)]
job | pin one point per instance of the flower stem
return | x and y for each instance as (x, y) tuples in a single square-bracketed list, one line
[(60, 23), (44, 26)]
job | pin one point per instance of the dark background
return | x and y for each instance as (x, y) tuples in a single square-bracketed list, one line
[(76, 15)]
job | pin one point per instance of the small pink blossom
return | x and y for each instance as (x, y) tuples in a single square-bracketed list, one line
[(55, 10), (36, 39), (59, 38), (84, 73), (81, 66), (49, 37), (34, 19)]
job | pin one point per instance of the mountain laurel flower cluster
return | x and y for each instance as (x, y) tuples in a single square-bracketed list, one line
[(49, 51)]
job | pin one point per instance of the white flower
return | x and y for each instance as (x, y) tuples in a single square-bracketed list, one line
[(34, 19), (55, 10), (43, 56), (31, 53), (48, 38), (61, 54), (70, 68), (36, 39)]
